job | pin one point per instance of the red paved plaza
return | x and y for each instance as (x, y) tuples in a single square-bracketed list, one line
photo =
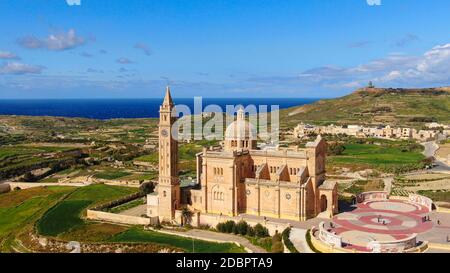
[(380, 220)]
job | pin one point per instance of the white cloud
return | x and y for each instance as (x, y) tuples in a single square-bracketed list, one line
[(54, 42), (8, 55), (145, 48), (431, 68), (124, 60), (20, 68)]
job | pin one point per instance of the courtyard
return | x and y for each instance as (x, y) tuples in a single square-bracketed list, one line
[(389, 221)]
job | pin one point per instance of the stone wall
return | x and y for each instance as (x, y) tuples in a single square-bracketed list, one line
[(397, 246), (329, 238), (119, 218), (4, 188), (372, 196), (421, 200), (213, 219)]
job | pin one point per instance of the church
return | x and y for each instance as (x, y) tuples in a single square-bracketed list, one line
[(238, 179)]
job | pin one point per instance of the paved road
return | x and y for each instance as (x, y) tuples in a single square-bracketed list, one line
[(136, 211), (430, 150)]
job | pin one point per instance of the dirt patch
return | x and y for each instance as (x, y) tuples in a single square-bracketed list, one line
[(443, 151)]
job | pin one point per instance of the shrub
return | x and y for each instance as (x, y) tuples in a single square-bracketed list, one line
[(227, 227), (250, 231), (235, 231), (335, 149), (287, 241), (261, 231), (308, 240), (242, 228), (204, 226), (220, 227)]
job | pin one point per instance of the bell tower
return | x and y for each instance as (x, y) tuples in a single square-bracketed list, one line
[(168, 183)]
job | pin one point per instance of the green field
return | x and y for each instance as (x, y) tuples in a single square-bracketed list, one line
[(151, 158), (128, 205), (138, 235), (62, 217), (66, 215), (376, 156), (20, 209), (111, 175), (437, 196)]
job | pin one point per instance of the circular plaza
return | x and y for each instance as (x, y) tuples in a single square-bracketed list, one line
[(378, 224)]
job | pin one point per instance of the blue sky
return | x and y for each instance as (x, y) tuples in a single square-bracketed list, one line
[(220, 48)]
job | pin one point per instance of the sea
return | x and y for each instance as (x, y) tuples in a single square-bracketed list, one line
[(127, 108)]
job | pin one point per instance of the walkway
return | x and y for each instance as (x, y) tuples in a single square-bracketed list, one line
[(388, 184), (217, 237), (135, 211), (298, 238)]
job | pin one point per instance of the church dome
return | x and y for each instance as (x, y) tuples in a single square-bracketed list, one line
[(240, 129)]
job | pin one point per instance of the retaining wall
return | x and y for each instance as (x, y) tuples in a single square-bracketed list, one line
[(119, 218)]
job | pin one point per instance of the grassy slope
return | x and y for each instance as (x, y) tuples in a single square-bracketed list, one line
[(22, 208), (66, 215), (137, 235), (363, 107)]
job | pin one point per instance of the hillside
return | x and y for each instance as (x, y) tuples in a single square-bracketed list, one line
[(412, 107)]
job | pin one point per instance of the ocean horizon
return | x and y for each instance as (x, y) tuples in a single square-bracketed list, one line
[(127, 108)]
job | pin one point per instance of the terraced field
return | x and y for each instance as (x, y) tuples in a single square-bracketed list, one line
[(136, 235), (20, 209), (58, 212), (375, 156)]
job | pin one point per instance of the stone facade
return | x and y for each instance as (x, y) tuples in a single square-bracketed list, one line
[(388, 132), (239, 179)]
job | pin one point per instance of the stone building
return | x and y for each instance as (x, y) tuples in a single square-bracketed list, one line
[(238, 179)]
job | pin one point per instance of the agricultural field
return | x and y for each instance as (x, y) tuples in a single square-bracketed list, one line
[(58, 212), (363, 186), (19, 209), (67, 214), (382, 157), (135, 235)]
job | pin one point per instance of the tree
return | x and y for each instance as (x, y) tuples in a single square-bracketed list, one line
[(335, 149), (186, 216), (371, 85), (147, 188)]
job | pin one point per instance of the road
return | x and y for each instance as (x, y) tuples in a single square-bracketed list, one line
[(430, 150)]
